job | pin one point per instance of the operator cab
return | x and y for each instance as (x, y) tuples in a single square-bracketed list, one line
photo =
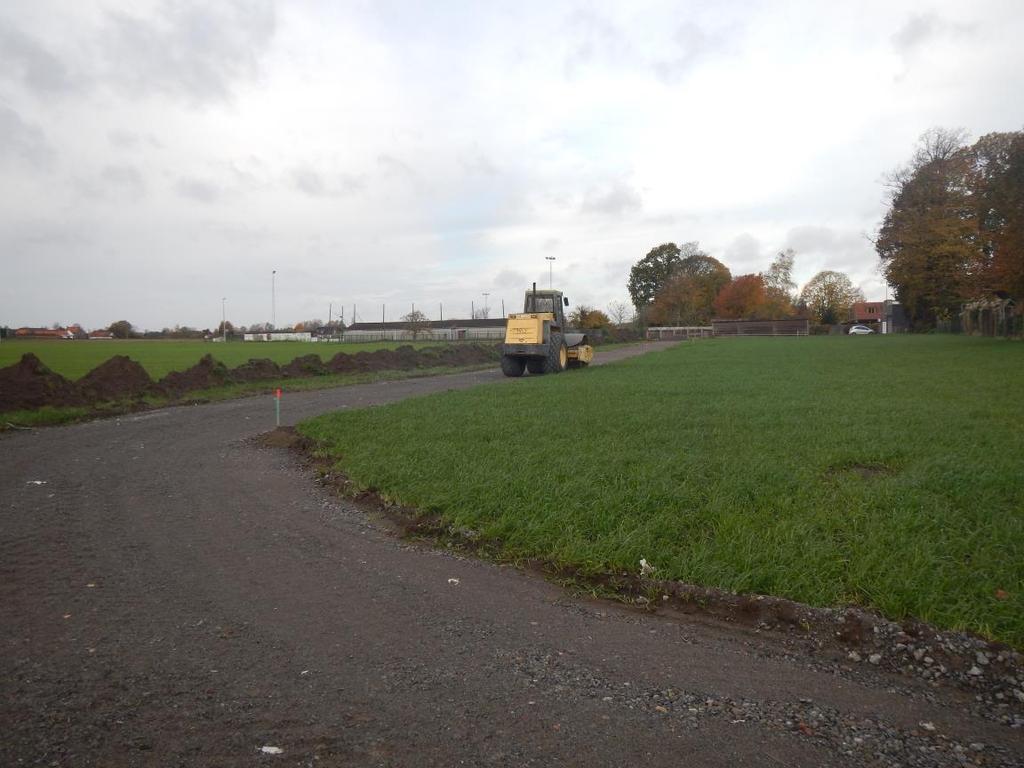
[(546, 301)]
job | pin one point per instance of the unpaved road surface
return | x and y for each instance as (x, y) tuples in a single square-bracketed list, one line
[(172, 594)]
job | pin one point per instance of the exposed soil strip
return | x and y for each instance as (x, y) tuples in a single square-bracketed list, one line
[(29, 384)]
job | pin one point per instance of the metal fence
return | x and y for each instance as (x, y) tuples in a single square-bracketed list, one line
[(668, 332), (437, 334)]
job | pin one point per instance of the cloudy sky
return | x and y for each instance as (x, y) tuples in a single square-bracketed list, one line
[(156, 157)]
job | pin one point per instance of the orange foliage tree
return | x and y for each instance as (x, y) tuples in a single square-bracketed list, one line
[(745, 298)]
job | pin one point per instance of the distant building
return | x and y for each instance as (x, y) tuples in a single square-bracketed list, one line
[(100, 335), (44, 333), (278, 336), (867, 312), (881, 316), (433, 330)]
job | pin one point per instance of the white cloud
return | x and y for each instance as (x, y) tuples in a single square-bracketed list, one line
[(377, 153)]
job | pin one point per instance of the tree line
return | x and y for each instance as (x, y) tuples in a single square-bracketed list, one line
[(684, 286), (954, 229)]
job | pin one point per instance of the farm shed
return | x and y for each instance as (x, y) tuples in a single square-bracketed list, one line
[(991, 316)]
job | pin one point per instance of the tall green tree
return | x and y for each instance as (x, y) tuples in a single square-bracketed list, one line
[(649, 275), (121, 329)]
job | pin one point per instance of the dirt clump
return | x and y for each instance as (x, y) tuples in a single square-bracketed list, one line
[(205, 374), (118, 378), (256, 370), (30, 384), (306, 365), (342, 363)]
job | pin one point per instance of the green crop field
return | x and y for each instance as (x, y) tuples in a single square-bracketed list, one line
[(881, 471), (74, 359)]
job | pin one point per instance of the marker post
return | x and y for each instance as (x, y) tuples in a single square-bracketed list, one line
[(277, 406)]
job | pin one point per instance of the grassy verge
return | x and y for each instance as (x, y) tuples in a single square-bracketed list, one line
[(49, 416), (886, 472)]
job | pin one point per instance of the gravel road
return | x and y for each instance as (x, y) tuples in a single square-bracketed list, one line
[(172, 594)]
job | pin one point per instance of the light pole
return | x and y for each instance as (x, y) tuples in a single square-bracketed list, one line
[(486, 311), (551, 260), (273, 300), (223, 321)]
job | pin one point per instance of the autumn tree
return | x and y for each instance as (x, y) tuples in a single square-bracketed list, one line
[(829, 295), (997, 180), (688, 298), (745, 297), (928, 241), (586, 318)]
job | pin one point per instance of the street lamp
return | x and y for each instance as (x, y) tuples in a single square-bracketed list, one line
[(273, 301), (550, 262), (223, 320)]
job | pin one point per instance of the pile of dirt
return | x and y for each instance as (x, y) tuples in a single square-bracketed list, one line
[(30, 384), (205, 374), (343, 363), (256, 370), (118, 378), (307, 365)]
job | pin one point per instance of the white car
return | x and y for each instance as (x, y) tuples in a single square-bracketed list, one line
[(859, 330)]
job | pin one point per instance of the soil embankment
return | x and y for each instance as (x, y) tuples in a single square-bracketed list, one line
[(29, 384)]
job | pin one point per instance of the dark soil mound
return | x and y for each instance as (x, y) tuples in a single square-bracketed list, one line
[(307, 365), (256, 370), (406, 358), (343, 363), (118, 378), (30, 384), (203, 375)]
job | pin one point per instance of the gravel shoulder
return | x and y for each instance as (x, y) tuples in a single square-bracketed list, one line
[(173, 594)]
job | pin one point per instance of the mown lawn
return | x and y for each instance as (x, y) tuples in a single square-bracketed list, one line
[(74, 359), (883, 471)]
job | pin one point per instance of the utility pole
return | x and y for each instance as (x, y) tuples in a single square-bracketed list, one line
[(273, 300), (503, 308), (472, 311), (551, 260), (442, 312), (485, 304), (223, 321), (330, 309)]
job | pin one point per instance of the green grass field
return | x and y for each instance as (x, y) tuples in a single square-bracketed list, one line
[(74, 359), (881, 471)]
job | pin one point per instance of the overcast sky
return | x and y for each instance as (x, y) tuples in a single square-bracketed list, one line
[(158, 156)]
